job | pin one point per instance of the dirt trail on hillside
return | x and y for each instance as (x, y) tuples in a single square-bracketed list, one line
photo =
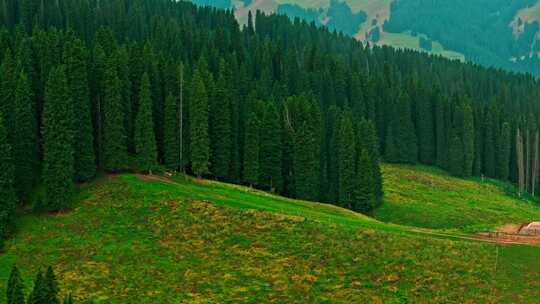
[(493, 238), (155, 178)]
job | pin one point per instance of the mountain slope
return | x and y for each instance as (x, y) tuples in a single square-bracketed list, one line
[(430, 198), (153, 240), (494, 33)]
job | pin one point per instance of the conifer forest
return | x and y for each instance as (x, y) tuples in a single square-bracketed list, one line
[(91, 88)]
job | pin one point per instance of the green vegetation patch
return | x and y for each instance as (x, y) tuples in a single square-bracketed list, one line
[(406, 40), (430, 198), (155, 241)]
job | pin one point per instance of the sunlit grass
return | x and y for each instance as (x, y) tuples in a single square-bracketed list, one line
[(130, 240), (430, 198)]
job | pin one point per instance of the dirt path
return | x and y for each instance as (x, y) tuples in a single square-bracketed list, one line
[(155, 178), (493, 238)]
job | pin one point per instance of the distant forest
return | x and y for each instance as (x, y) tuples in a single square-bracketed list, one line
[(89, 86)]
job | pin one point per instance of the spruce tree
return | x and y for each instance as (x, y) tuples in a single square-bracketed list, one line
[(406, 137), (251, 150), (8, 197), (98, 91), (76, 69), (271, 143), (122, 67), (145, 138), (468, 139), (334, 119), (305, 177), (456, 154), (364, 189), (115, 156), (171, 134), (368, 141), (478, 142), (303, 122), (25, 148), (221, 126), (199, 140), (425, 129), (51, 287), (391, 151), (490, 125), (441, 131), (461, 150), (346, 158), (15, 287), (57, 132), (39, 292), (315, 123), (8, 83)]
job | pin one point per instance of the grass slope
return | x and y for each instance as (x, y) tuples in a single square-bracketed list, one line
[(407, 41), (430, 198), (131, 240)]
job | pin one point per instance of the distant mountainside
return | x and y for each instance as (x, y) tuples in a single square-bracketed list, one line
[(498, 33)]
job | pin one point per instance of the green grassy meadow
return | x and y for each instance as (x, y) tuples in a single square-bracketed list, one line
[(407, 41), (136, 240), (430, 198)]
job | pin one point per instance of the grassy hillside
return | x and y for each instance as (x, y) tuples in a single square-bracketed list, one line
[(407, 41), (131, 239), (374, 10), (430, 198)]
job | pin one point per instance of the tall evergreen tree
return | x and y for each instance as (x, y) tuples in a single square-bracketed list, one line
[(51, 287), (58, 134), (8, 198), (39, 292), (25, 148), (407, 141), (332, 150), (199, 138), (221, 126), (441, 130), (145, 138), (401, 141), (8, 83), (171, 134), (367, 140), (115, 156), (478, 142), (270, 145), (251, 150), (391, 150), (490, 126), (305, 176), (99, 86), (425, 129), (15, 287), (468, 139), (365, 198), (76, 70), (346, 158), (456, 154)]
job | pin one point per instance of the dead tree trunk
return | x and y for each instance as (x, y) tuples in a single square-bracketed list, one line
[(519, 158), (527, 161), (534, 172)]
